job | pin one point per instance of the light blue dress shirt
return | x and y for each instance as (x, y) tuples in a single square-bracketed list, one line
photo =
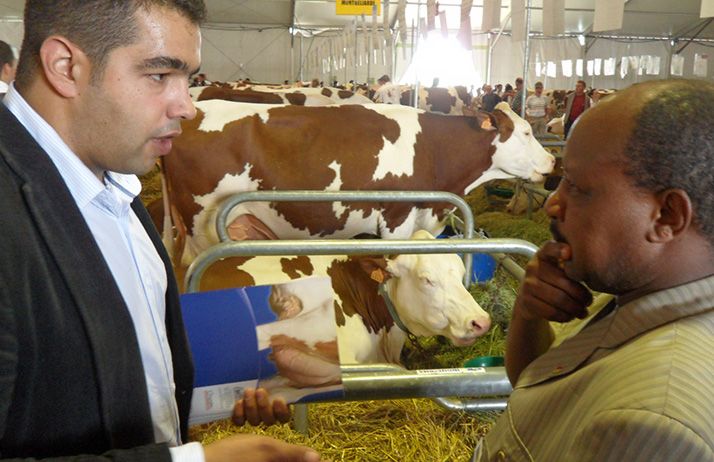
[(133, 260)]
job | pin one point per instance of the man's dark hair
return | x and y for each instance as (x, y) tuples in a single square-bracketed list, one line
[(582, 82), (519, 80), (6, 54), (672, 145), (96, 26)]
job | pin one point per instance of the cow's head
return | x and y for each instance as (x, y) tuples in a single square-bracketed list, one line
[(518, 153), (428, 294)]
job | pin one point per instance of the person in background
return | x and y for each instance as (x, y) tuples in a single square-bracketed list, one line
[(386, 92), (594, 95), (575, 104), (8, 64), (489, 100), (628, 376), (200, 81), (508, 94), (538, 110), (517, 102), (498, 90), (94, 360)]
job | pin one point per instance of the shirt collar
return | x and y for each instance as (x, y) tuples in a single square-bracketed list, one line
[(81, 182), (653, 310), (623, 324), (3, 87)]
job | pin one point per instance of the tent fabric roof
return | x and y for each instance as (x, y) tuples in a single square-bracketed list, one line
[(646, 18)]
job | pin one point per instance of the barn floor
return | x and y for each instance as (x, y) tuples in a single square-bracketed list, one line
[(411, 429)]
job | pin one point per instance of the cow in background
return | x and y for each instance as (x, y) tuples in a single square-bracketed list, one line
[(449, 101), (261, 97), (232, 147)]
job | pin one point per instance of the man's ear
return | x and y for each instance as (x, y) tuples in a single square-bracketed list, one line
[(65, 65), (674, 217)]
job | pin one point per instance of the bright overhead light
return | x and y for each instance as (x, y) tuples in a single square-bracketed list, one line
[(581, 40), (442, 58)]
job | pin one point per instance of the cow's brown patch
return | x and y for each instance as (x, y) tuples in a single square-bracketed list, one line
[(463, 94), (344, 94), (504, 124), (225, 274), (440, 100), (297, 267), (296, 98), (241, 96), (359, 295), (326, 92)]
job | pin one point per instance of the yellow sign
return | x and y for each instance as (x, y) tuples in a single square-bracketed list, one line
[(357, 7)]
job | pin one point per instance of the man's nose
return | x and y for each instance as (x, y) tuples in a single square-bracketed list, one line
[(183, 107)]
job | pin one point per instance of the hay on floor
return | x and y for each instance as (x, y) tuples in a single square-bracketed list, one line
[(396, 430)]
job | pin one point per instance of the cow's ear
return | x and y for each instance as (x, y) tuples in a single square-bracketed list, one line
[(376, 267), (503, 123)]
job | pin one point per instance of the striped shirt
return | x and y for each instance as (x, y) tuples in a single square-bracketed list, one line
[(633, 386)]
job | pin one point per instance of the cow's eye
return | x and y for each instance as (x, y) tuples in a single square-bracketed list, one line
[(427, 281), (528, 133)]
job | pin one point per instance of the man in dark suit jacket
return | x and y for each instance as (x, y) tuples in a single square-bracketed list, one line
[(100, 91)]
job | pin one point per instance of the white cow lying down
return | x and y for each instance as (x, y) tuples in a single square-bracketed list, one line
[(426, 290)]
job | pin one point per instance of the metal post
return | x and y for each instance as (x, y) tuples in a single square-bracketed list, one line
[(356, 55), (302, 57), (526, 60), (492, 45), (301, 419), (416, 44)]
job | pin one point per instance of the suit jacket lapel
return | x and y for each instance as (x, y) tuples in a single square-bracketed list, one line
[(99, 303)]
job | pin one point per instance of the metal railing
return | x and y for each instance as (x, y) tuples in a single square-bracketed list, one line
[(349, 247), (349, 196)]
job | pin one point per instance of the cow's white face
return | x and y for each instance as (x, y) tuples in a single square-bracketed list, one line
[(429, 296), (521, 155)]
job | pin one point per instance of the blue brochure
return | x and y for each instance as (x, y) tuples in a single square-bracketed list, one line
[(282, 337)]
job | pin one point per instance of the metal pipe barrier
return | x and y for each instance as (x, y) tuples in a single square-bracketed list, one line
[(502, 259), (349, 247), (393, 382), (379, 382), (348, 196)]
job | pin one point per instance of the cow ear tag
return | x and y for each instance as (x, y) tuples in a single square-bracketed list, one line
[(378, 275)]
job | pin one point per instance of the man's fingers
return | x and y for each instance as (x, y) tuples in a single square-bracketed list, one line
[(265, 409), (281, 410)]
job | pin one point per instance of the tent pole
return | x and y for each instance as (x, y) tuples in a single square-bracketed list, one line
[(492, 45), (526, 60)]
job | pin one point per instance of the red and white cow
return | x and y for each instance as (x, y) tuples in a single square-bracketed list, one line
[(427, 292), (336, 95), (449, 101), (232, 147), (259, 97)]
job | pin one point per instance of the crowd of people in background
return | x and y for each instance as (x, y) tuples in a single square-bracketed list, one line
[(540, 106)]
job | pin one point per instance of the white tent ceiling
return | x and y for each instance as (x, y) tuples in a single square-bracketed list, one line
[(665, 18)]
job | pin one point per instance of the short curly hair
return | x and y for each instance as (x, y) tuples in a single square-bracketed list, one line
[(672, 145), (6, 54), (97, 26)]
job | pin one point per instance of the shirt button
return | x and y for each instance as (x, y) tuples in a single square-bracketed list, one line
[(501, 456)]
